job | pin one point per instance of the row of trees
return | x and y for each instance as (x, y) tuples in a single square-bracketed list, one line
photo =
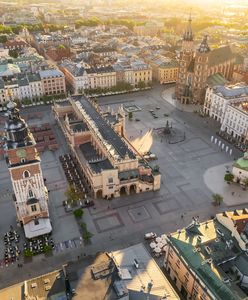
[(119, 87), (94, 21), (8, 29)]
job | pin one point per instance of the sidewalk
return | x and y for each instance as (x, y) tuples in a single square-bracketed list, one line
[(232, 194), (167, 96)]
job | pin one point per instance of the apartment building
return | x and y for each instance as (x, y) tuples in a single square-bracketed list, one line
[(164, 70), (53, 82), (235, 121), (217, 99), (110, 165), (75, 75), (101, 77), (208, 260), (142, 72)]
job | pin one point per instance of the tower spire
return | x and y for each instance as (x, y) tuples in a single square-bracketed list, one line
[(188, 34), (204, 48)]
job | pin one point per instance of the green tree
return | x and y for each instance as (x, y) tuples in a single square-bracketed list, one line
[(78, 213), (13, 53), (130, 115), (141, 85), (3, 38), (245, 182), (87, 235), (73, 195), (217, 199), (228, 177)]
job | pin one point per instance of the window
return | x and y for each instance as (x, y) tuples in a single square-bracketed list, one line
[(26, 174), (23, 160), (36, 222), (30, 194), (33, 208), (110, 180)]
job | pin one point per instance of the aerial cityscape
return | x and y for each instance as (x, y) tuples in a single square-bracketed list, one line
[(123, 150)]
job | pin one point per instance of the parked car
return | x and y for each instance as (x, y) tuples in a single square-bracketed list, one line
[(150, 236), (137, 120)]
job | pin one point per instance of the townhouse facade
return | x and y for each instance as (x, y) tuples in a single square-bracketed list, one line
[(101, 77), (208, 261), (75, 75), (53, 82), (218, 98)]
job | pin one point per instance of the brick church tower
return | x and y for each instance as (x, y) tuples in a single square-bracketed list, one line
[(184, 83), (23, 160)]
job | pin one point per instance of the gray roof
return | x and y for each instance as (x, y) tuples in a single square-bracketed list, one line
[(106, 131), (96, 162), (50, 73), (74, 69), (241, 262), (235, 91), (220, 55)]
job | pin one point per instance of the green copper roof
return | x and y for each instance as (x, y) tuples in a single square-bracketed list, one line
[(216, 79), (204, 271), (242, 162)]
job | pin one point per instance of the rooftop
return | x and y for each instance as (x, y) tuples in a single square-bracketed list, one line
[(147, 279), (96, 162), (50, 73), (242, 162), (201, 245), (232, 91), (113, 142)]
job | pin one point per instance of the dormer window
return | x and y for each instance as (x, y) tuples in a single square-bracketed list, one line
[(30, 194), (23, 160)]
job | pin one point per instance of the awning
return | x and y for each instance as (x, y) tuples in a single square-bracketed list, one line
[(37, 227)]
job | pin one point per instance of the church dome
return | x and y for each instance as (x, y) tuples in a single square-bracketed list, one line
[(16, 129)]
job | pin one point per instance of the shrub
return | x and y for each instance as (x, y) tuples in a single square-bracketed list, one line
[(83, 226), (217, 199), (47, 248), (28, 253), (87, 235), (228, 177), (78, 213)]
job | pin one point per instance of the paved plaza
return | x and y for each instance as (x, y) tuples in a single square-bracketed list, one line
[(185, 192)]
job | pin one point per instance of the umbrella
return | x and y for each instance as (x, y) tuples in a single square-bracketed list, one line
[(160, 245), (157, 250), (158, 239), (153, 245)]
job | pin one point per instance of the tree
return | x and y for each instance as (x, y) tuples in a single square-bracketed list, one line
[(87, 235), (228, 177), (130, 115), (3, 38), (141, 85), (217, 199), (13, 53), (245, 182), (78, 213), (73, 195)]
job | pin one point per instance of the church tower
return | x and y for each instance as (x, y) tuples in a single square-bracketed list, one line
[(186, 63), (201, 65), (23, 160)]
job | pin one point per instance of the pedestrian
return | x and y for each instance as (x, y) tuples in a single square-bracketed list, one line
[(181, 216), (78, 257)]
